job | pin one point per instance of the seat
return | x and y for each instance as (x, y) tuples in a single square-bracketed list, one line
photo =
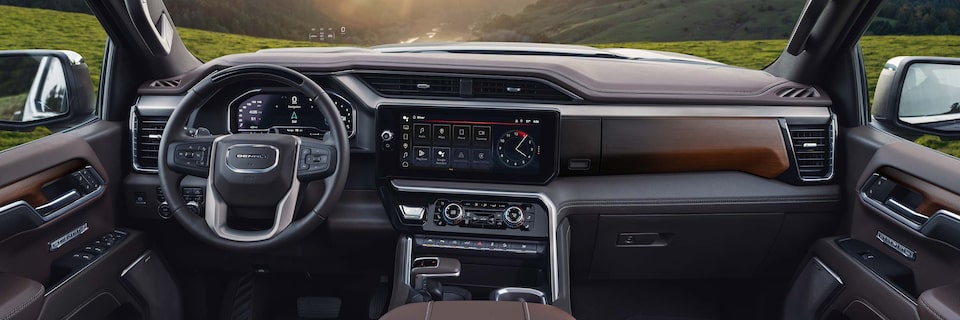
[(470, 310)]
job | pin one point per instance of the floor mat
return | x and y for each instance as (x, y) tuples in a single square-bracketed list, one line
[(676, 300), (354, 292)]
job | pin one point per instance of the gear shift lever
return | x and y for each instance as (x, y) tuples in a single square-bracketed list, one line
[(425, 271), (433, 288), (434, 267)]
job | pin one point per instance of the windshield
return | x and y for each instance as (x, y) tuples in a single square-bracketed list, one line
[(718, 30)]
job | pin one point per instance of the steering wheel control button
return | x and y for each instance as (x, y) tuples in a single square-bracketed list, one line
[(453, 214), (195, 155), (411, 213), (513, 217), (252, 158)]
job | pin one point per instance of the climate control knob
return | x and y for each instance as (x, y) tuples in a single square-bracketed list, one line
[(513, 217), (453, 214)]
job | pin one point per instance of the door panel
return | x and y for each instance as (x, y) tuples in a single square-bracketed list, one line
[(891, 257), (77, 208)]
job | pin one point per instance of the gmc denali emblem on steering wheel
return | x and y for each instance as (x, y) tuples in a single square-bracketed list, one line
[(252, 158)]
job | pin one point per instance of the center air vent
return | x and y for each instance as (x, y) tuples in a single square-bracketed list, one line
[(516, 89), (465, 86), (146, 141), (413, 85), (813, 147)]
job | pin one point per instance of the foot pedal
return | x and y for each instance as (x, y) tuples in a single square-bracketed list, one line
[(378, 302), (318, 307), (243, 298)]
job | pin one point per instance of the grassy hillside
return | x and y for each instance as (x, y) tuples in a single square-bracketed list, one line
[(605, 21), (82, 33)]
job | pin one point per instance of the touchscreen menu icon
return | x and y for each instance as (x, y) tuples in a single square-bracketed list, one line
[(421, 134), (441, 134), (461, 135)]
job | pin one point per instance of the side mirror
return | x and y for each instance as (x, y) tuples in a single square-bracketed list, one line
[(49, 88), (919, 95)]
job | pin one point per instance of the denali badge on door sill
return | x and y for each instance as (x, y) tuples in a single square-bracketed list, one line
[(893, 244), (73, 234)]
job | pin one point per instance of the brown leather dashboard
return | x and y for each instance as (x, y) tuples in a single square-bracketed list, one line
[(752, 145)]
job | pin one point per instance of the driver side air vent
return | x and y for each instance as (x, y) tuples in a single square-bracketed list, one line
[(413, 85), (168, 83), (798, 92), (813, 147), (146, 141)]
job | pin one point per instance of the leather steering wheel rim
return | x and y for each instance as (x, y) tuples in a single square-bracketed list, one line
[(333, 184)]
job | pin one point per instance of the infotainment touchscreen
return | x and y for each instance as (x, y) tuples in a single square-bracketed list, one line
[(468, 143)]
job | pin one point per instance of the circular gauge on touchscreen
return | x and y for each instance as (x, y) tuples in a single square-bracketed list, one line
[(516, 149)]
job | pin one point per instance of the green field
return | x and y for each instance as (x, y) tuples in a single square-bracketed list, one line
[(44, 29)]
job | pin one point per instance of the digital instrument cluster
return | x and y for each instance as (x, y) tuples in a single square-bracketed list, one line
[(468, 144), (277, 111)]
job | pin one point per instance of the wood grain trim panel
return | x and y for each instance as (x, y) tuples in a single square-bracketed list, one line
[(28, 189), (752, 145), (935, 198)]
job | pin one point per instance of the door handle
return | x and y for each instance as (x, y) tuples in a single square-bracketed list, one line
[(59, 203)]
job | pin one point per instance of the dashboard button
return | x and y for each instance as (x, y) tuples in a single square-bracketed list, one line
[(386, 135), (481, 159), (421, 156), (421, 133), (481, 136), (441, 157), (461, 135), (460, 158), (441, 134)]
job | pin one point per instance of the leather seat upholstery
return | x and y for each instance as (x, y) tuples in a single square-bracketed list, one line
[(470, 310), (20, 298)]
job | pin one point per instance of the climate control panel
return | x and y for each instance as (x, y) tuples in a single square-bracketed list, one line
[(484, 214)]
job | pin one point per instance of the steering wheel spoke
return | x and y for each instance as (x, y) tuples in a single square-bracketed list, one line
[(316, 160), (191, 156)]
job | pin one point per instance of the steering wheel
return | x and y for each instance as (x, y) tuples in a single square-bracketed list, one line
[(253, 175)]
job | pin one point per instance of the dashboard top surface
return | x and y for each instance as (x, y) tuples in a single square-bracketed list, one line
[(593, 79)]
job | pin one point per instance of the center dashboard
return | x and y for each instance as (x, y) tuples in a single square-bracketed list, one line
[(468, 144)]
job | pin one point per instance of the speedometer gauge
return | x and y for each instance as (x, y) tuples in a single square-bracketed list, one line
[(270, 111)]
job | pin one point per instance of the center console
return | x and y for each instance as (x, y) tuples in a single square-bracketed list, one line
[(435, 166)]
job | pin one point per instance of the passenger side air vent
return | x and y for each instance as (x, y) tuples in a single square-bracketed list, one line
[(168, 83), (413, 85), (516, 89), (798, 92), (813, 147), (146, 142)]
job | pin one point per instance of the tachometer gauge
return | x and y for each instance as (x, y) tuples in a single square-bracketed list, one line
[(516, 149), (346, 111)]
